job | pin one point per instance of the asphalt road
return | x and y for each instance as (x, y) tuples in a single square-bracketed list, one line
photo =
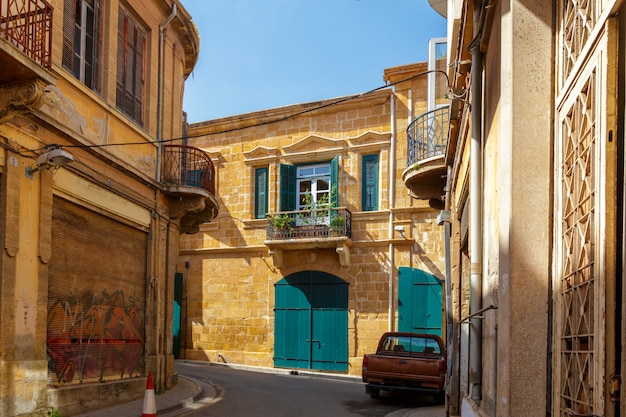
[(258, 394)]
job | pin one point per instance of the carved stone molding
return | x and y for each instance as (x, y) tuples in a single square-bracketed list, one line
[(180, 207), (20, 98), (192, 212)]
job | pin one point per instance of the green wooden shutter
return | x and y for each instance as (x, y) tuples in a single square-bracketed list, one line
[(287, 187), (420, 301), (292, 315), (334, 182), (176, 320), (260, 193), (369, 195)]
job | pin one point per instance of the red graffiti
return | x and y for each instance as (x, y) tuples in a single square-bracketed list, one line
[(94, 338)]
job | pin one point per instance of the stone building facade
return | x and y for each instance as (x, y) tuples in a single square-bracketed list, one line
[(308, 296), (89, 231)]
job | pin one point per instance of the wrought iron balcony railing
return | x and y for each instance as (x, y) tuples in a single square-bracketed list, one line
[(309, 224), (27, 25), (428, 135), (188, 166)]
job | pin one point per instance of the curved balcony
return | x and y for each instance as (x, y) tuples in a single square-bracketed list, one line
[(425, 175), (188, 175), (25, 55), (26, 26)]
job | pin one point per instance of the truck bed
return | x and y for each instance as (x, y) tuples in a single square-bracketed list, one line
[(406, 361)]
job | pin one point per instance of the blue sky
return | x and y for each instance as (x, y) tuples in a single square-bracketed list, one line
[(261, 54)]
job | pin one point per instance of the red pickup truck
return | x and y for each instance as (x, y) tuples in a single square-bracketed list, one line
[(406, 361)]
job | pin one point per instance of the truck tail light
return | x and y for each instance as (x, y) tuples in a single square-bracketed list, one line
[(443, 365), (365, 360)]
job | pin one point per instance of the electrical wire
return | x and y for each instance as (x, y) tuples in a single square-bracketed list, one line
[(268, 122)]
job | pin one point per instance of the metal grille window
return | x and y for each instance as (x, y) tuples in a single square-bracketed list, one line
[(81, 41), (131, 47), (578, 21), (578, 277)]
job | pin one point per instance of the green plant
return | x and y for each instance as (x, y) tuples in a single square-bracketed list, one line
[(281, 222), (53, 412), (316, 211), (337, 222)]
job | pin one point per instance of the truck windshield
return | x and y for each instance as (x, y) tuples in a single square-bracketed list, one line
[(410, 344)]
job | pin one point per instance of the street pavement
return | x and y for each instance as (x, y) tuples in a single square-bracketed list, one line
[(189, 395)]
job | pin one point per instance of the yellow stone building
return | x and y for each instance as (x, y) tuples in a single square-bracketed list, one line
[(318, 245), (92, 202)]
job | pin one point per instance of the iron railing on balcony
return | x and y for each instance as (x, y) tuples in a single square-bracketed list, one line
[(309, 224), (188, 166), (428, 135), (27, 24)]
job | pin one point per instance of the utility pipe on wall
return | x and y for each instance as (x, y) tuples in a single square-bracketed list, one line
[(160, 90), (156, 224), (476, 224), (392, 198)]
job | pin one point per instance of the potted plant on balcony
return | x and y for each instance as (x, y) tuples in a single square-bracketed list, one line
[(337, 225), (313, 220), (281, 225)]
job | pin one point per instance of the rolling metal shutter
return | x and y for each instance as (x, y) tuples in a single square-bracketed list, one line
[(96, 297)]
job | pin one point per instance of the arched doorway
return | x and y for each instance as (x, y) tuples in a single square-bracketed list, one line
[(311, 322)]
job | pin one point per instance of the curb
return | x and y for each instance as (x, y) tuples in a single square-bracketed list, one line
[(278, 371), (186, 401)]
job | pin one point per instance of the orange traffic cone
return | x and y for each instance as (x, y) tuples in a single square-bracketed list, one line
[(149, 404)]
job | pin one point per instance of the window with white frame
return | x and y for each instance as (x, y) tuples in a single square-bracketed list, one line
[(313, 185), (303, 187)]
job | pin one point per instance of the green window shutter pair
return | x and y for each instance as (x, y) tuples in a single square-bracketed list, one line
[(288, 185), (369, 178)]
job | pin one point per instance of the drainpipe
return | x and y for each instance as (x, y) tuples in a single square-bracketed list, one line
[(160, 90), (447, 232), (157, 218), (392, 199), (476, 226)]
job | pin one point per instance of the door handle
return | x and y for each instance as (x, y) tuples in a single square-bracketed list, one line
[(319, 345), (402, 362)]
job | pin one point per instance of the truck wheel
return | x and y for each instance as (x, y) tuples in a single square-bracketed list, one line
[(440, 398), (374, 392)]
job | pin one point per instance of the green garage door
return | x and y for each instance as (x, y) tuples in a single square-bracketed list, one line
[(311, 322), (420, 302)]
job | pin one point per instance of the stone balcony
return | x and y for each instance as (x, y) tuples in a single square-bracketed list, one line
[(425, 175), (25, 55), (188, 178), (310, 229)]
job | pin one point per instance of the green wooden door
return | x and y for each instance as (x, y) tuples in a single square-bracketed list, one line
[(311, 322), (176, 319), (420, 302)]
